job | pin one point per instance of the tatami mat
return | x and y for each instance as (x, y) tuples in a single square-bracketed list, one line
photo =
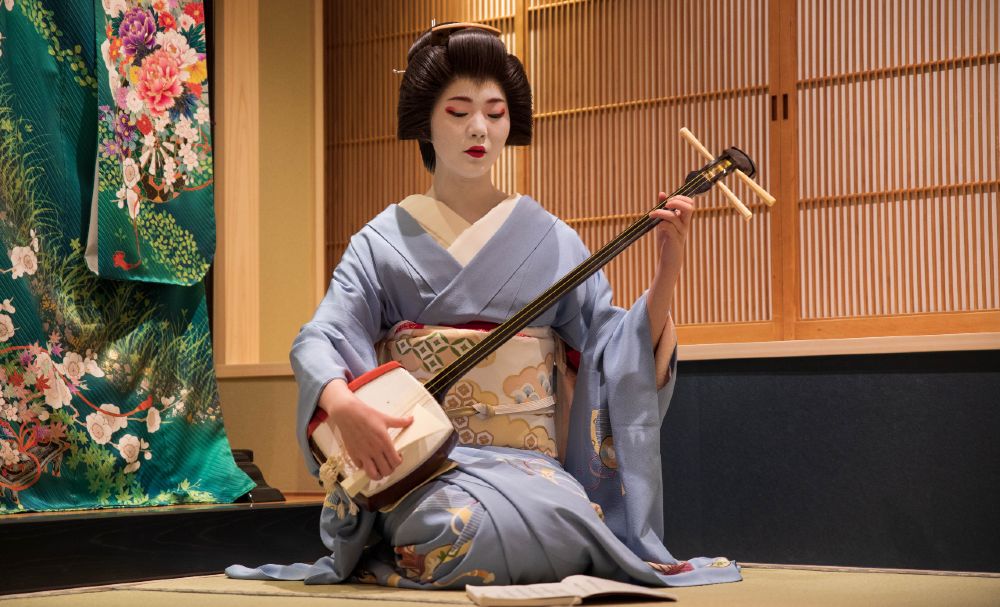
[(762, 586)]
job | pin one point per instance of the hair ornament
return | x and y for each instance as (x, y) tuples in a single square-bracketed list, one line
[(441, 33)]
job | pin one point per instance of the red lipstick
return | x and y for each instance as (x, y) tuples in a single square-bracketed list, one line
[(476, 151)]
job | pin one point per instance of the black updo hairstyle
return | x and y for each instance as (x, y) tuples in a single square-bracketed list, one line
[(439, 57)]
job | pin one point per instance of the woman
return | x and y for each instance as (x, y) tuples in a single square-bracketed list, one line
[(414, 285)]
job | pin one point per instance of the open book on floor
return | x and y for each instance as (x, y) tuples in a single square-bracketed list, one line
[(573, 590)]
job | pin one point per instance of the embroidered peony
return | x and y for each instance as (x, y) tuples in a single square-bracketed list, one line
[(137, 31), (177, 45), (159, 81), (24, 261)]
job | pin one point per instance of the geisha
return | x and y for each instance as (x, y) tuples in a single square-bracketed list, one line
[(558, 470)]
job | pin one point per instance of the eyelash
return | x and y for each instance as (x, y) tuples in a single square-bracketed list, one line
[(464, 114)]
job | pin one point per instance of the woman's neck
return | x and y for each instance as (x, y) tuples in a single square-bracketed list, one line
[(469, 198)]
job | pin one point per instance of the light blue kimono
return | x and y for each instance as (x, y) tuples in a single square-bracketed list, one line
[(503, 516)]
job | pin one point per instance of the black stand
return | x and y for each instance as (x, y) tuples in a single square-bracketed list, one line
[(263, 492)]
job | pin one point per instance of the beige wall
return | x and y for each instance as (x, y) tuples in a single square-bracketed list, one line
[(287, 174), (259, 413)]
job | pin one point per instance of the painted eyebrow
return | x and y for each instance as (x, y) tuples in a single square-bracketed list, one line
[(467, 100)]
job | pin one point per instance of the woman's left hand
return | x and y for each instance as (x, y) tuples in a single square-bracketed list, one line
[(671, 233)]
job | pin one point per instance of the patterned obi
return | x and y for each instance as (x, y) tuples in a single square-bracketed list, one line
[(507, 400)]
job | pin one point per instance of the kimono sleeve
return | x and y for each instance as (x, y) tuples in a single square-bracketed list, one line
[(613, 447), (338, 343)]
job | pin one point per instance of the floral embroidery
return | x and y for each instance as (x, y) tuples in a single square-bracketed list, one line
[(671, 568), (154, 128)]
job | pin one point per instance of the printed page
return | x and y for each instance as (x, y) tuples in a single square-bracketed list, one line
[(523, 596)]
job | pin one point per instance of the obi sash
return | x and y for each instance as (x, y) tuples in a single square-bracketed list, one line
[(507, 400)]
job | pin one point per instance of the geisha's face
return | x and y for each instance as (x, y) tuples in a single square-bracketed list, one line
[(469, 127)]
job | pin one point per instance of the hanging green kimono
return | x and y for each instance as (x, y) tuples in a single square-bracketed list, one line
[(107, 389)]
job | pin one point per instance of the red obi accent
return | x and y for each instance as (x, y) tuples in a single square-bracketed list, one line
[(485, 327), (573, 358)]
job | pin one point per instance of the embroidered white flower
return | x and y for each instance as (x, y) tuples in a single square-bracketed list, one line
[(8, 410), (8, 307), (24, 261), (72, 365), (128, 196), (184, 22), (161, 123), (130, 172), (134, 102), (8, 454), (57, 394), (6, 327), (8, 4), (176, 44), (113, 8), (186, 129), (34, 240), (169, 173), (117, 422), (128, 446), (153, 420), (93, 368), (202, 115), (99, 428)]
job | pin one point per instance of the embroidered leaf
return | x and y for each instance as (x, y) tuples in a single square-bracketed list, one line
[(196, 37)]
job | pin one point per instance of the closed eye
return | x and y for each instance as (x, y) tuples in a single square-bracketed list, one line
[(497, 116), (457, 114)]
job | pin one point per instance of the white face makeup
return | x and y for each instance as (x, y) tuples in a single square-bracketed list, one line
[(469, 127)]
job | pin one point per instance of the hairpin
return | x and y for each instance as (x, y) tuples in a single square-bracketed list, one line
[(462, 25)]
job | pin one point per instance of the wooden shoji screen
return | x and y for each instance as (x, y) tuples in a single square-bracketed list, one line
[(874, 123), (897, 164)]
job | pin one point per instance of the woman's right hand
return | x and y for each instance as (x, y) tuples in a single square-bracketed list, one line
[(364, 430)]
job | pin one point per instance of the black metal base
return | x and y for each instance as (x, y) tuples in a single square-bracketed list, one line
[(53, 551)]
